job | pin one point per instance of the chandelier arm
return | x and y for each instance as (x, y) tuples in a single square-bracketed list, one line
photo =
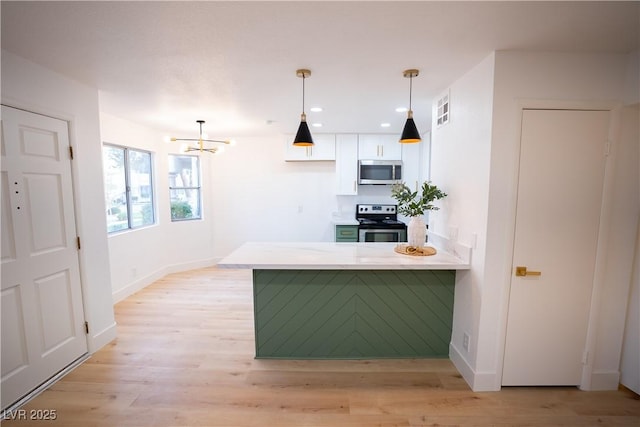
[(204, 140)]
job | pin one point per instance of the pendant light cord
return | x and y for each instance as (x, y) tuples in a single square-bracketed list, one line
[(410, 90), (303, 77)]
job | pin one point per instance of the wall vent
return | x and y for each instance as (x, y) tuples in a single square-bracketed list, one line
[(443, 110)]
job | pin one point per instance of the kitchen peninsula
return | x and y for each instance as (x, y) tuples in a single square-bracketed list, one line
[(349, 300)]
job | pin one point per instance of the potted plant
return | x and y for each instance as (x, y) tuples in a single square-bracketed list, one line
[(413, 204)]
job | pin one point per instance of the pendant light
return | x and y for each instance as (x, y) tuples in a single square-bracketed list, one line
[(410, 133), (200, 142), (303, 136)]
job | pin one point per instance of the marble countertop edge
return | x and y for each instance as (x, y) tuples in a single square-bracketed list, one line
[(335, 256)]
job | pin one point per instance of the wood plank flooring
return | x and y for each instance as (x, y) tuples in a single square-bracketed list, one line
[(184, 357)]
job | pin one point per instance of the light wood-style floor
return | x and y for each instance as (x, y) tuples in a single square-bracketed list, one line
[(184, 357)]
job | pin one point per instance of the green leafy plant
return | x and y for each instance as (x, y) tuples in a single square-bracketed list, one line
[(413, 203), (181, 210)]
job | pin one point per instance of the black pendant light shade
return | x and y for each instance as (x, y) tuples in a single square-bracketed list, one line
[(303, 136), (410, 132)]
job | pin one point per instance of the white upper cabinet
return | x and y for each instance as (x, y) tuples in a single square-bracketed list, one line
[(415, 161), (323, 148), (379, 147), (347, 164)]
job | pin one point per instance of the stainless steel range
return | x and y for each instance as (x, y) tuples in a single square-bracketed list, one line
[(379, 223)]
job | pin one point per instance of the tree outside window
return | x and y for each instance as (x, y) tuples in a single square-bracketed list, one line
[(128, 188), (184, 187)]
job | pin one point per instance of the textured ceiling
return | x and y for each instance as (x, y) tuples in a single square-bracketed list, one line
[(166, 64)]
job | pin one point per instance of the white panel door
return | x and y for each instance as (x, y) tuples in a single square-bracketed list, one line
[(560, 185), (42, 314)]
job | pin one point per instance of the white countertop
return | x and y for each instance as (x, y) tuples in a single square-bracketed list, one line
[(332, 256), (343, 219)]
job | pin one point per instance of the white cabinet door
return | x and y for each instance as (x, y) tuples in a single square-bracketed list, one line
[(411, 161), (379, 147), (415, 161), (323, 148), (347, 164)]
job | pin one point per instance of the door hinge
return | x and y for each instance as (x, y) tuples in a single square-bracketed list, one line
[(86, 328), (71, 152), (607, 147), (78, 242)]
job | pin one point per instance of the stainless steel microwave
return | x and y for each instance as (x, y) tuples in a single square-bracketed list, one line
[(379, 171)]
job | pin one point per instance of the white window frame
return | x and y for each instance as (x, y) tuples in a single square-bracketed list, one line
[(127, 193), (196, 188)]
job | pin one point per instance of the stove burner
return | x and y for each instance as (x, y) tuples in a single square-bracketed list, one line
[(391, 221)]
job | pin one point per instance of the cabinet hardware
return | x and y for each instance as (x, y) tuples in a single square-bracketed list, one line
[(521, 271)]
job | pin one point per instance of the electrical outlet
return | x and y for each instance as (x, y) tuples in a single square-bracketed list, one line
[(465, 342)]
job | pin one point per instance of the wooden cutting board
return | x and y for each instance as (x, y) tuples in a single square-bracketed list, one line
[(415, 251)]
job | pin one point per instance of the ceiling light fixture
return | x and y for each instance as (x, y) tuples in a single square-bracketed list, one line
[(303, 136), (410, 133), (200, 141)]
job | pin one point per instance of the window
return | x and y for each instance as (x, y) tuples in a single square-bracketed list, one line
[(184, 187), (127, 187)]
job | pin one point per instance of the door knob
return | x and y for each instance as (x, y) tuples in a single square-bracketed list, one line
[(522, 271)]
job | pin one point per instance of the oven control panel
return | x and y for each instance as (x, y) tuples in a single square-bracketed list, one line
[(377, 209)]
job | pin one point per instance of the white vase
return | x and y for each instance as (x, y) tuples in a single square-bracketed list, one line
[(416, 232)]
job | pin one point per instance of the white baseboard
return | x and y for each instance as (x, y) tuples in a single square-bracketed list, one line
[(461, 364), (143, 282), (478, 381), (604, 380)]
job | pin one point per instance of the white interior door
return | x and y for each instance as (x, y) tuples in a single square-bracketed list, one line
[(560, 185), (42, 314)]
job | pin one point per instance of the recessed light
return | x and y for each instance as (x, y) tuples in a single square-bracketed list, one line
[(316, 109), (402, 109), (316, 125), (385, 125)]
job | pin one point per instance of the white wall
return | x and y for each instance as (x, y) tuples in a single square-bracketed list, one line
[(460, 160), (630, 363), (28, 86), (257, 196), (141, 256), (249, 194), (488, 166), (560, 80)]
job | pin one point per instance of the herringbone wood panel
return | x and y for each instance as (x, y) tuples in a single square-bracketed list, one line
[(353, 314)]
